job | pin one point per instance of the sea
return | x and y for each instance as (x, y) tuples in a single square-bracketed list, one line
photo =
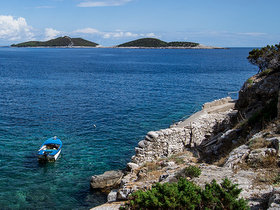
[(100, 103)]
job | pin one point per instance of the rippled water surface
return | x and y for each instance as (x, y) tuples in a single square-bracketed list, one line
[(124, 92)]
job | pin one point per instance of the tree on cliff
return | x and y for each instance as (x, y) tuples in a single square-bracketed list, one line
[(266, 58)]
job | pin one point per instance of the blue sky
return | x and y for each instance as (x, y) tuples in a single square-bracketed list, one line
[(249, 23)]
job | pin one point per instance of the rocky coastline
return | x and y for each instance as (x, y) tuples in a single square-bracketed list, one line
[(220, 139)]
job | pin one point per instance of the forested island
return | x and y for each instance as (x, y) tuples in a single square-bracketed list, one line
[(152, 42), (65, 41), (69, 42), (157, 43)]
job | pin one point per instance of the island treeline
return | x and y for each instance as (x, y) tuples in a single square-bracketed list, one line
[(79, 42), (152, 42), (58, 42)]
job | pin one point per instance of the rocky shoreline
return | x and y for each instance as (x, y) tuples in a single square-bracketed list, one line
[(220, 140)]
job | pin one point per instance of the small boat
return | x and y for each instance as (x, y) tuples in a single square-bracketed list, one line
[(50, 149)]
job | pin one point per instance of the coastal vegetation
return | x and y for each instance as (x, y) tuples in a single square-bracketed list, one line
[(58, 42), (187, 195), (157, 43), (266, 58)]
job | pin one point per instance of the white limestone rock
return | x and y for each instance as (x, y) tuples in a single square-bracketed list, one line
[(238, 155), (132, 166), (112, 196), (152, 134)]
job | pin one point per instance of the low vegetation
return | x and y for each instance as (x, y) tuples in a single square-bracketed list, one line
[(266, 58), (152, 42), (58, 42), (187, 195)]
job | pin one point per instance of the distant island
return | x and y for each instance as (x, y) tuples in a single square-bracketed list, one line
[(69, 42), (65, 41), (157, 43)]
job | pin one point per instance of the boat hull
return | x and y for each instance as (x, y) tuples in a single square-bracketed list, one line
[(50, 150), (49, 158)]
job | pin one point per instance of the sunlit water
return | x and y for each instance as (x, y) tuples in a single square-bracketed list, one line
[(124, 92)]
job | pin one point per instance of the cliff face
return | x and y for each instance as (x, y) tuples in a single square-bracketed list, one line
[(257, 92), (278, 106), (241, 141)]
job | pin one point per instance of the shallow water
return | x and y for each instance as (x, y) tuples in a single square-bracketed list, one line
[(124, 92)]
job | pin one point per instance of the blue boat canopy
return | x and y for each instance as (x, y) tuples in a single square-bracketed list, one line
[(53, 141)]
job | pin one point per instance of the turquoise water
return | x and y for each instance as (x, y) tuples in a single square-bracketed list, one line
[(124, 92)]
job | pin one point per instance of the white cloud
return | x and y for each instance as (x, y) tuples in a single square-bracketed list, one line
[(115, 34), (88, 31), (122, 34), (51, 33), (252, 34), (103, 3), (15, 29)]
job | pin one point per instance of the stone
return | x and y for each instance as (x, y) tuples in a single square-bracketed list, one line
[(275, 141), (132, 166), (143, 143), (152, 134), (108, 206), (274, 200), (109, 179), (163, 177), (236, 156), (123, 193), (170, 164), (112, 196)]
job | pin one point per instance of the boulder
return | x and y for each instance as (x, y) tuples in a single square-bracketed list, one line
[(237, 156), (274, 200), (132, 166), (152, 134), (112, 196), (108, 180)]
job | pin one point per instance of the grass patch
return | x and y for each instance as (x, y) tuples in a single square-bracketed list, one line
[(258, 143), (250, 81), (265, 72), (179, 160)]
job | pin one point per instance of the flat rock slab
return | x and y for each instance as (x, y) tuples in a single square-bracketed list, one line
[(109, 206), (107, 180)]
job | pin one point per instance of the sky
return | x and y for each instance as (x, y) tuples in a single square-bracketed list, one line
[(223, 23)]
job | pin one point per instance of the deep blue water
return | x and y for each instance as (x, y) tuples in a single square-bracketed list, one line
[(124, 92)]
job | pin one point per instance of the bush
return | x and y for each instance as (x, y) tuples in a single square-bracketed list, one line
[(192, 171), (187, 195), (224, 196), (266, 57)]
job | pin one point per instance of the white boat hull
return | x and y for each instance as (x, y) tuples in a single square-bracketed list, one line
[(49, 158)]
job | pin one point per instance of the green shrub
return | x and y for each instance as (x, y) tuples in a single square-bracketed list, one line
[(187, 195), (192, 171), (224, 196), (250, 81), (266, 58)]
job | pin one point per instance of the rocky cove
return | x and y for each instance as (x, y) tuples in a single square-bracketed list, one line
[(234, 139)]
